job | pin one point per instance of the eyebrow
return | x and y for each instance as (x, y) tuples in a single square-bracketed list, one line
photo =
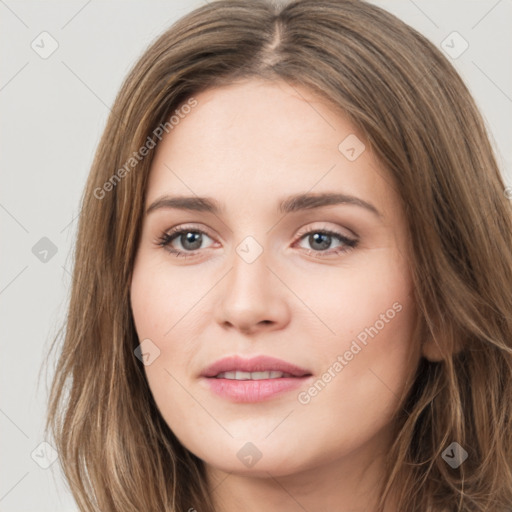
[(297, 202)]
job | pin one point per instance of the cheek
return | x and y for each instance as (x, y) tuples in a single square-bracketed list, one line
[(369, 352), (347, 300), (374, 322), (160, 297), (160, 301), (368, 368), (164, 302)]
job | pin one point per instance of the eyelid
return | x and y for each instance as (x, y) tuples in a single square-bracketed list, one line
[(323, 226), (302, 231), (189, 227)]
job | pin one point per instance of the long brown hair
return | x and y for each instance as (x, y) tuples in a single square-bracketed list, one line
[(117, 452)]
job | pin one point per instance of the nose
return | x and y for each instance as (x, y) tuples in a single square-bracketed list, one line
[(252, 298)]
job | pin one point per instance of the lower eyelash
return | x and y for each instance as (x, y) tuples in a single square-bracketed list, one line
[(166, 238)]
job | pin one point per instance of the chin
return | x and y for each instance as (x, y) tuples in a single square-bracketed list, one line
[(258, 458)]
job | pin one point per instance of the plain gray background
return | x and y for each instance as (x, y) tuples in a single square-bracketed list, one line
[(53, 111)]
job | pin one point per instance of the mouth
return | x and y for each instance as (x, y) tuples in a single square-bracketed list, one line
[(253, 380), (239, 375)]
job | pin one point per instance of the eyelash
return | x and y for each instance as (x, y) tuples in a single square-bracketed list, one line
[(167, 237)]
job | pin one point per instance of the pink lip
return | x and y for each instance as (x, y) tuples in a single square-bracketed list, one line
[(255, 364), (253, 390)]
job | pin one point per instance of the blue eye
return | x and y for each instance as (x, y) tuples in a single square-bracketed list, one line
[(319, 239), (190, 239)]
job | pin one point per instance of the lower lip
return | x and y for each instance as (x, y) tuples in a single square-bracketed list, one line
[(253, 390)]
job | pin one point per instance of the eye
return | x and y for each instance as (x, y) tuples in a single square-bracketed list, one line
[(320, 240), (190, 239)]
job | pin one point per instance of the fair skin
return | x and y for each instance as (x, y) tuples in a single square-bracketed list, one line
[(248, 146)]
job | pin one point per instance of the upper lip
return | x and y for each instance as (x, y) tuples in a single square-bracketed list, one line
[(254, 364)]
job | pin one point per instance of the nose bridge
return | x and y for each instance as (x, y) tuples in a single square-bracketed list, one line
[(251, 295), (249, 275)]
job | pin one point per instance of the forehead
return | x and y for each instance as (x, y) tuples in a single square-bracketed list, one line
[(285, 120), (258, 139)]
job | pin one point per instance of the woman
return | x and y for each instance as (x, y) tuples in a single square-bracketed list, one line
[(292, 278)]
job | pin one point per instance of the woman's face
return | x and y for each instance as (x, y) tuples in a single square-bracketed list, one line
[(293, 246)]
